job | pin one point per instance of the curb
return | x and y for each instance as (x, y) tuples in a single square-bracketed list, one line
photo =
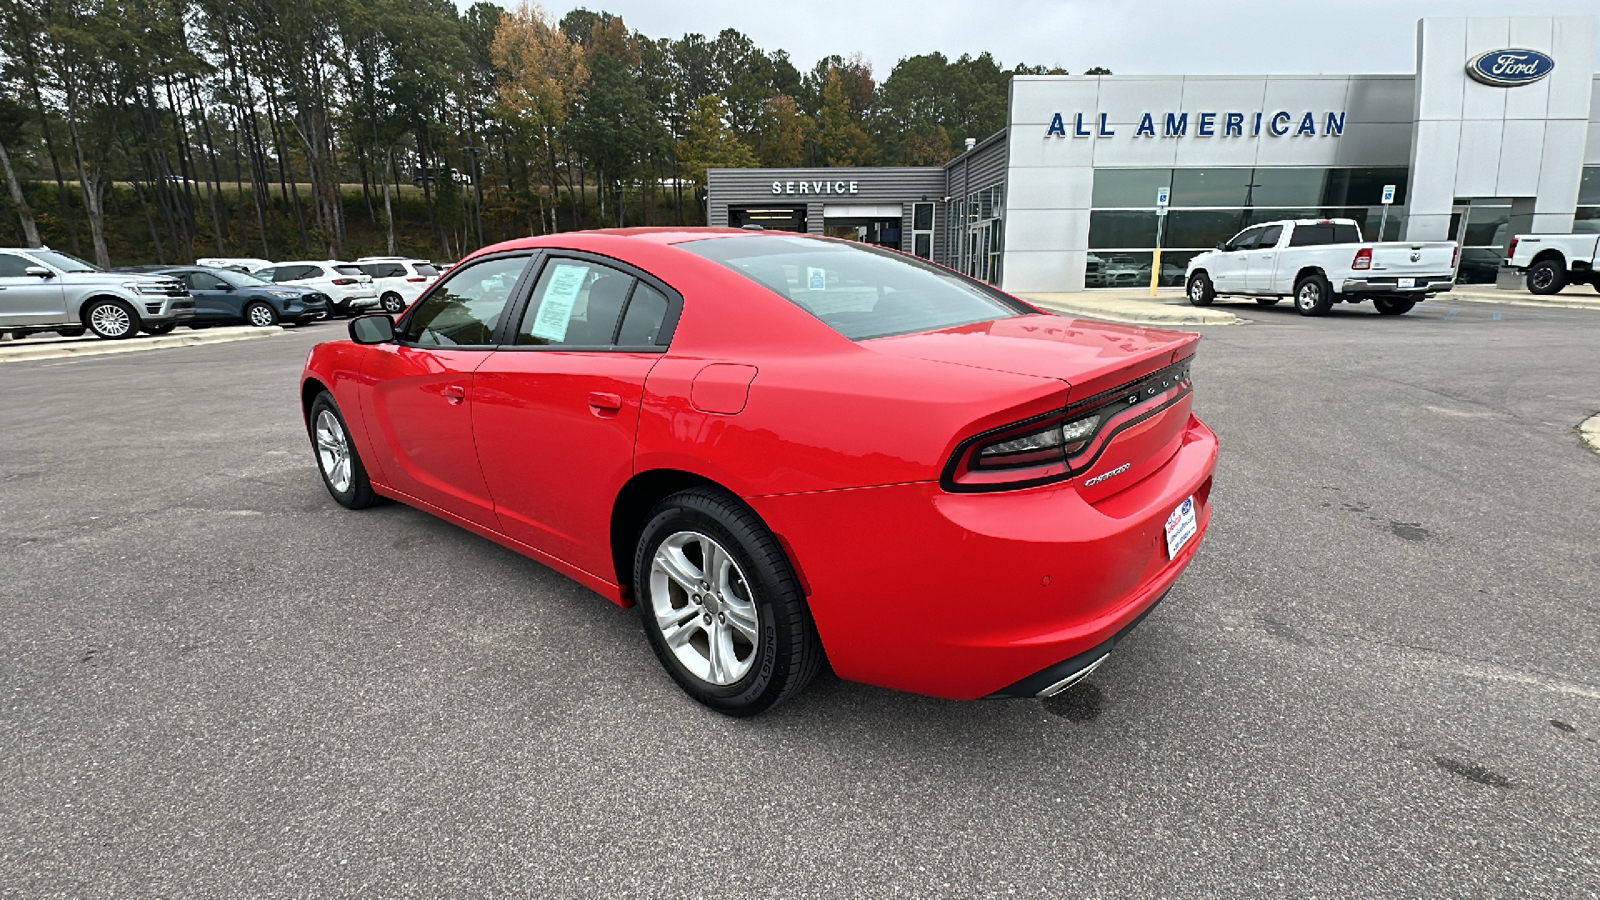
[(1521, 299), (1131, 312), (11, 352), (1589, 431)]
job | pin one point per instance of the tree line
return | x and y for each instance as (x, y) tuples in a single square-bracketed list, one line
[(164, 130)]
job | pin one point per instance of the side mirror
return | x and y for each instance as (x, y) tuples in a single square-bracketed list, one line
[(1223, 246), (377, 329), (38, 272)]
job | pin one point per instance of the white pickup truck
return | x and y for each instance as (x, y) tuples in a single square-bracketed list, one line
[(1552, 261), (1320, 262)]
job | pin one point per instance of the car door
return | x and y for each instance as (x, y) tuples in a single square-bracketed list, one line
[(556, 411), (1228, 273), (29, 299), (419, 407), (214, 299), (1261, 259)]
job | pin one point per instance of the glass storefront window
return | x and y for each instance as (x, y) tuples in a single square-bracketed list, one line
[(1488, 226), (1363, 187), (1134, 188), (1201, 228), (1117, 228), (1587, 220), (1589, 187), (1287, 187), (1211, 187), (1131, 268)]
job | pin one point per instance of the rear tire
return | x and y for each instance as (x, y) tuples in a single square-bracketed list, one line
[(1267, 301), (1393, 306), (111, 320), (337, 459), (736, 635), (1546, 277), (1313, 296), (1200, 290)]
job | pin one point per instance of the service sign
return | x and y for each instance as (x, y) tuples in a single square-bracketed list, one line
[(1510, 68)]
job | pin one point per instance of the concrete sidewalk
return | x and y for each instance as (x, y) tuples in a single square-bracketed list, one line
[(1168, 308), (53, 347)]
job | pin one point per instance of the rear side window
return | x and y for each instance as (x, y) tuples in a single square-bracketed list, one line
[(466, 309), (859, 291), (647, 311), (576, 303), (1324, 233)]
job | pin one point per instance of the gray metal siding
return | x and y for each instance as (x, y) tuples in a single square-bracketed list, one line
[(982, 167), (753, 187)]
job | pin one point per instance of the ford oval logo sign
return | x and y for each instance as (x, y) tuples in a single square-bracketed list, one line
[(1509, 68)]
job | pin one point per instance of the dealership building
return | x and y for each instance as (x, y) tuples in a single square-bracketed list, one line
[(1496, 132)]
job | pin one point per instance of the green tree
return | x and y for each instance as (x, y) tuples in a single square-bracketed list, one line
[(781, 132), (709, 143), (840, 138)]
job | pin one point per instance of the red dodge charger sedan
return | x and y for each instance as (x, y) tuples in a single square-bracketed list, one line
[(785, 448)]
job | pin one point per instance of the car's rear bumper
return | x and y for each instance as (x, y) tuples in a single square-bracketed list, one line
[(972, 595)]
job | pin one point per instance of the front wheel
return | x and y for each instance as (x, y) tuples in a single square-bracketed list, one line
[(392, 303), (337, 459), (721, 605), (1201, 293), (111, 320), (261, 314), (1547, 277), (1313, 296), (1393, 306)]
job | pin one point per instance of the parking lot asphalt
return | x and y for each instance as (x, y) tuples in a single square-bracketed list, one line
[(1380, 677)]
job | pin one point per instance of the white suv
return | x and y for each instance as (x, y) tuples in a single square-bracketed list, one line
[(398, 280), (348, 288)]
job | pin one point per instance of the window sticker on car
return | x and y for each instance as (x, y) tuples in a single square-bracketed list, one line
[(816, 279), (555, 308)]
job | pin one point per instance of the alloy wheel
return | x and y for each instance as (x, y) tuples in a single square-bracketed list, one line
[(111, 320), (1197, 291), (1542, 278), (1308, 296), (333, 451), (260, 315), (704, 608)]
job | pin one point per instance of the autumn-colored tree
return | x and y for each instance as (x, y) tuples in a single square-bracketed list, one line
[(541, 74), (780, 136), (709, 143), (840, 137)]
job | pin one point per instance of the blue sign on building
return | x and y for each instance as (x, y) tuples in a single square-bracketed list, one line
[(1510, 68), (1206, 124)]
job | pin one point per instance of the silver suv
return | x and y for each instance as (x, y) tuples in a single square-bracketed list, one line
[(43, 290)]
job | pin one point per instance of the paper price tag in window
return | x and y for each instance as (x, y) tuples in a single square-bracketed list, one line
[(816, 279), (555, 309)]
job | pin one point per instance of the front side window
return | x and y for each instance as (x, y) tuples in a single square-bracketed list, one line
[(204, 281), (859, 291), (465, 310), (576, 303), (1245, 240), (13, 266)]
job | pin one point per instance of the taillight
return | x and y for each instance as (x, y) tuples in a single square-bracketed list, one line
[(416, 280), (1061, 444), (1363, 259), (344, 281), (1510, 251), (1455, 254)]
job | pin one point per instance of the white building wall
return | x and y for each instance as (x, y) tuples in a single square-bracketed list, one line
[(1478, 140)]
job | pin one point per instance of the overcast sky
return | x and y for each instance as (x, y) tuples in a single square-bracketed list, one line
[(1127, 36)]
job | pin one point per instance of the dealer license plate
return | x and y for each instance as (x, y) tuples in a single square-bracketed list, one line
[(1408, 282), (1181, 526)]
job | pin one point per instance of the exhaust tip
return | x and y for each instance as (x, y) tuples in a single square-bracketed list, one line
[(1072, 679)]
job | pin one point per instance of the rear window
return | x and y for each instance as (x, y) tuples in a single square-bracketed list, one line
[(1329, 233), (859, 291), (428, 269), (349, 270)]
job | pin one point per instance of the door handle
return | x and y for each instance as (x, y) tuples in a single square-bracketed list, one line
[(455, 393), (603, 402)]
